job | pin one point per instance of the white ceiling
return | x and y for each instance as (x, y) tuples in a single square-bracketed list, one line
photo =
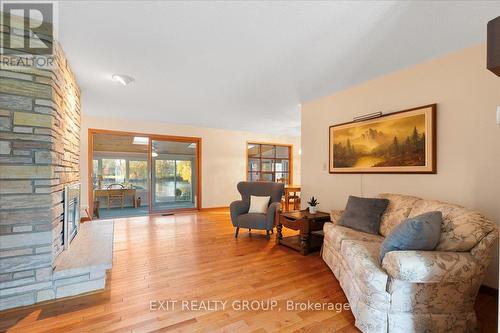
[(249, 65)]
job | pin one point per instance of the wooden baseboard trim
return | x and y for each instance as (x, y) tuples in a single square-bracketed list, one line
[(213, 208), (488, 290), (172, 212)]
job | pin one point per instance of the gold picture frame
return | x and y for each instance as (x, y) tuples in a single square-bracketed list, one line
[(398, 142)]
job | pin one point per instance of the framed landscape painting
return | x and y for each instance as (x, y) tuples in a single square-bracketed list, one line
[(399, 142)]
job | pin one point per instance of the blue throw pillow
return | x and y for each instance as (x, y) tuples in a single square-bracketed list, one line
[(421, 232)]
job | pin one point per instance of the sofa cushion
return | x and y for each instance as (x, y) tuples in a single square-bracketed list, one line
[(362, 259), (396, 212), (363, 214), (421, 232), (461, 229), (336, 234)]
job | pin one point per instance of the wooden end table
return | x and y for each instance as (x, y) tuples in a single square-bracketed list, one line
[(304, 222)]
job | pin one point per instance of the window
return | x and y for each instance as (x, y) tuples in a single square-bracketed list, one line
[(113, 171), (95, 173), (268, 162), (138, 174), (173, 180), (107, 171)]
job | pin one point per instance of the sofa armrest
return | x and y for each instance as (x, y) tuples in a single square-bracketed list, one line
[(335, 215), (483, 251), (430, 266), (237, 208)]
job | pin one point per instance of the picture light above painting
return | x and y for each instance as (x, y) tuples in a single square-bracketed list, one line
[(398, 142)]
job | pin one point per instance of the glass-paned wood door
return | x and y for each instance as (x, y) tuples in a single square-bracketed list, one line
[(173, 175), (269, 162)]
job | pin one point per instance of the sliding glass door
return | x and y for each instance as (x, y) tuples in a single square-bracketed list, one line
[(135, 174), (174, 174)]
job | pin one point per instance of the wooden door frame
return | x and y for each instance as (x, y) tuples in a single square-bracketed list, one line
[(198, 170), (197, 140), (290, 153)]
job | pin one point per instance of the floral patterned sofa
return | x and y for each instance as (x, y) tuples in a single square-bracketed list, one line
[(412, 291)]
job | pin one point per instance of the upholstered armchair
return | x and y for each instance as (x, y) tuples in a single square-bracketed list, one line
[(239, 209)]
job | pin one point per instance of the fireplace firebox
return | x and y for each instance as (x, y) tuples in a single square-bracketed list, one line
[(71, 213)]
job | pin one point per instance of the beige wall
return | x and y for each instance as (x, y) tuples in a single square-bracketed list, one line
[(223, 154), (468, 138)]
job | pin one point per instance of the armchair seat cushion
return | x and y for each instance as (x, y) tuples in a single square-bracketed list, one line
[(362, 259), (431, 266), (252, 220), (336, 234)]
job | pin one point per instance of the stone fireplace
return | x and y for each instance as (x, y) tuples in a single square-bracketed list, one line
[(39, 157)]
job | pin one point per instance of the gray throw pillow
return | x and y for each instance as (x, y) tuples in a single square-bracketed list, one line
[(363, 214), (421, 232)]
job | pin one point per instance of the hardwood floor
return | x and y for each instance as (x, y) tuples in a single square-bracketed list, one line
[(196, 257)]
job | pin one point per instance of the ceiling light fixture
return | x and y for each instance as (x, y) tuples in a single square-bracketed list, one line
[(140, 140), (123, 79)]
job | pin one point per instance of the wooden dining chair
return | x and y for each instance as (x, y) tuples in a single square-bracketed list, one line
[(295, 199), (116, 195), (291, 199)]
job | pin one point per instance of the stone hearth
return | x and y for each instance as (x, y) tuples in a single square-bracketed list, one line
[(82, 268)]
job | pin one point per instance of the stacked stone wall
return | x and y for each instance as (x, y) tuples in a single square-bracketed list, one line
[(39, 155)]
